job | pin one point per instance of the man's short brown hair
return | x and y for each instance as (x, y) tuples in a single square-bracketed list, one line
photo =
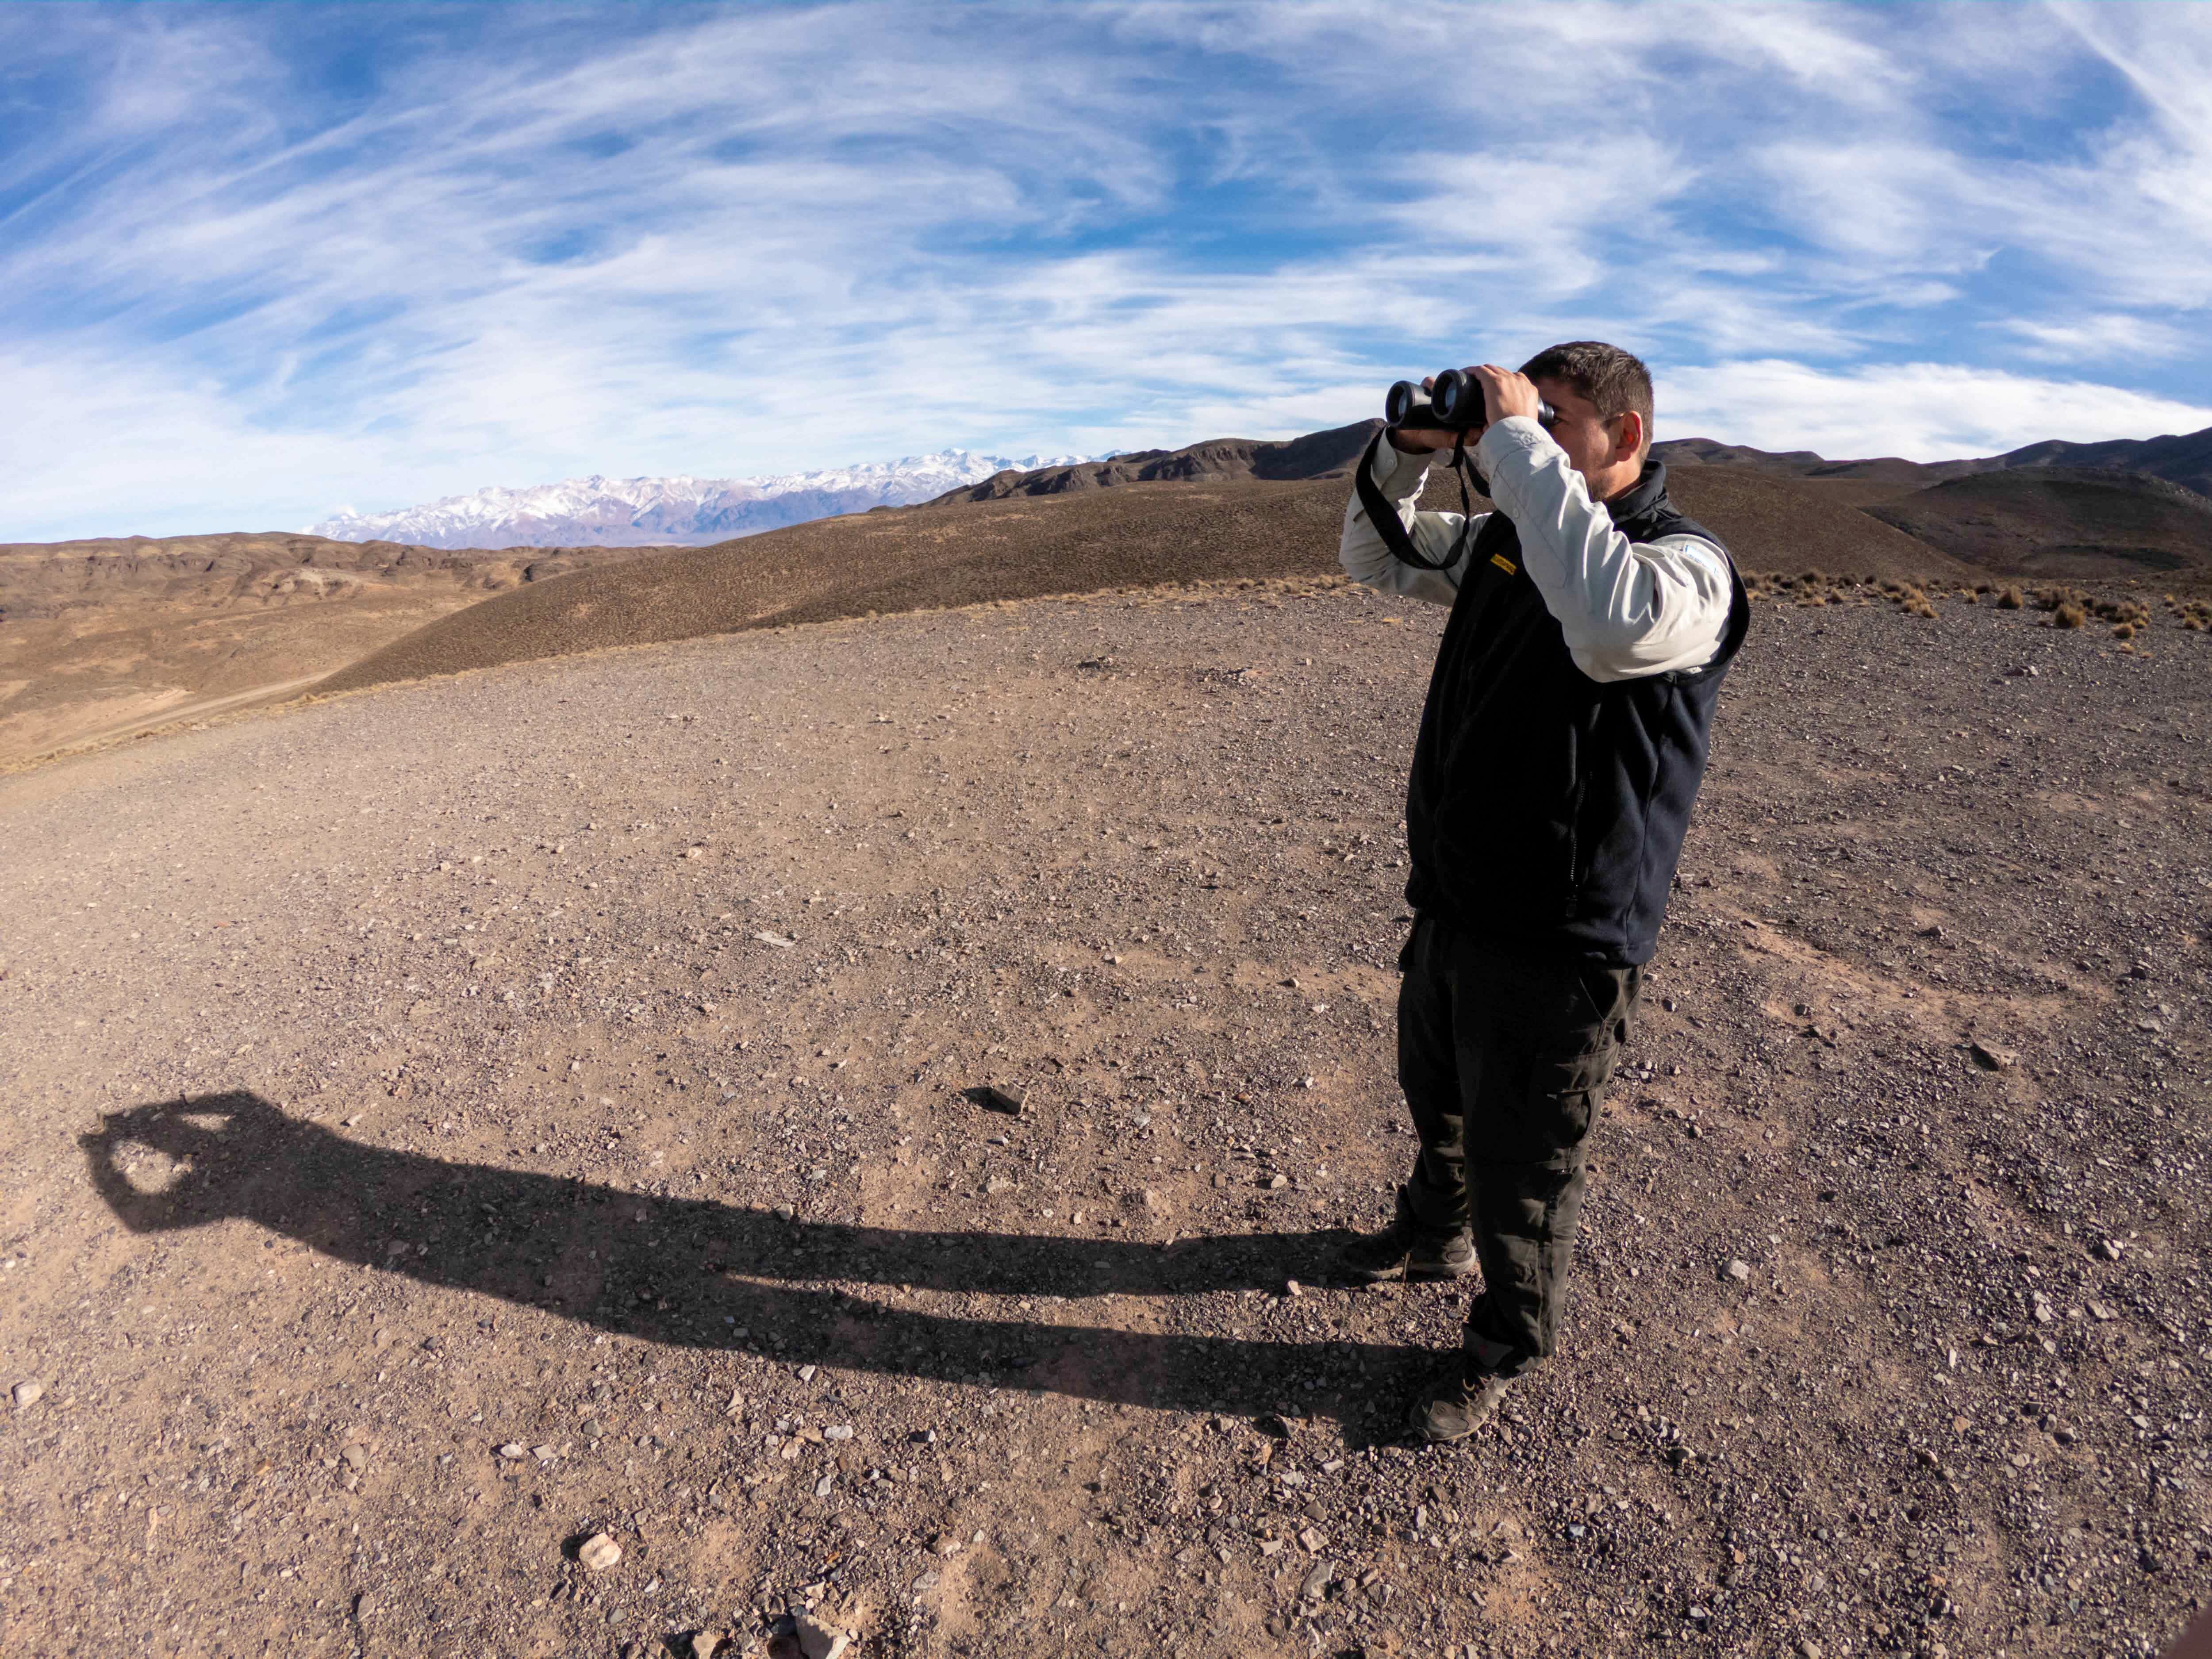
[(1614, 380)]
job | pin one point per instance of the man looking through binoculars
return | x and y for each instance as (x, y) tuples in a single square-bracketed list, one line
[(1559, 752)]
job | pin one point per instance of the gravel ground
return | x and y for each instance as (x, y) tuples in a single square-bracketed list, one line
[(449, 1124)]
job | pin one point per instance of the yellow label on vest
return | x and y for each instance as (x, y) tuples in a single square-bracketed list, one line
[(1504, 564)]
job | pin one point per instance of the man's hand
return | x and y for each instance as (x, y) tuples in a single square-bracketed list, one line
[(1504, 393)]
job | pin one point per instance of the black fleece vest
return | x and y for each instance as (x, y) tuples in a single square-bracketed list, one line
[(1546, 810)]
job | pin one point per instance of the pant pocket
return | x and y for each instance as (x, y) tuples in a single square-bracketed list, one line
[(1609, 994)]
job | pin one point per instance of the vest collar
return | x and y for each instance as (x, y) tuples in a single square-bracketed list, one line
[(1638, 499)]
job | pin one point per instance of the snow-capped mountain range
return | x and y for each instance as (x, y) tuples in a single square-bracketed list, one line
[(598, 512)]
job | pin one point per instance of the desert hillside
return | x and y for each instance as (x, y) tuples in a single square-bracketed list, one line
[(1021, 546), (2064, 522), (451, 1123), (107, 639), (102, 639), (1328, 454)]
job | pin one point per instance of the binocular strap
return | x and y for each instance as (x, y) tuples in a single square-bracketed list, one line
[(1383, 513)]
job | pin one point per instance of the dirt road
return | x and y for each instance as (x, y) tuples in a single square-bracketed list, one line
[(446, 1124)]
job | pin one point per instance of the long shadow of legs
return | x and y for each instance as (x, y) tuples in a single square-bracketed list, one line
[(682, 1271)]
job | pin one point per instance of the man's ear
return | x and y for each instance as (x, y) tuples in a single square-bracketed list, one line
[(1632, 434)]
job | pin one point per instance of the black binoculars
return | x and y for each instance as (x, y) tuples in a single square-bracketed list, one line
[(1452, 403)]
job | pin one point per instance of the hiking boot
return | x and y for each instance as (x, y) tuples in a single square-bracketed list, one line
[(1406, 1249), (1459, 1408)]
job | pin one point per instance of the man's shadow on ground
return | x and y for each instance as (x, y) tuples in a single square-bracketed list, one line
[(686, 1271)]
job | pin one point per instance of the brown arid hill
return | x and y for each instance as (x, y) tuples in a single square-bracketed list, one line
[(102, 639), (1328, 454), (1876, 479), (1796, 524), (44, 578), (1134, 535), (904, 559), (2065, 522)]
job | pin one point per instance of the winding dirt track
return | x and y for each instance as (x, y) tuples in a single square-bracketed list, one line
[(445, 1122)]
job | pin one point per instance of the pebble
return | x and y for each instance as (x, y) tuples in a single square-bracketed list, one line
[(944, 1544), (599, 1552), (777, 939), (841, 1432), (29, 1394), (1277, 1183), (356, 1457), (818, 1640), (704, 1643), (1740, 1272), (513, 1449), (1291, 1287)]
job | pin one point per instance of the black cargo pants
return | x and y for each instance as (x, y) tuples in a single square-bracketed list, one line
[(1505, 1061)]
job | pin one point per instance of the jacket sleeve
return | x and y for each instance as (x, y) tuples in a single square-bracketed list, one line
[(1627, 609), (1365, 558)]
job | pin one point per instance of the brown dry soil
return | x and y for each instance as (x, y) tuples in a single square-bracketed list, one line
[(446, 1123), (1133, 535)]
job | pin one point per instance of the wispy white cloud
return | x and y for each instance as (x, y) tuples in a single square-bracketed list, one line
[(1921, 411), (257, 261)]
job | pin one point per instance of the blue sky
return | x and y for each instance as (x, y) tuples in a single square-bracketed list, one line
[(258, 262)]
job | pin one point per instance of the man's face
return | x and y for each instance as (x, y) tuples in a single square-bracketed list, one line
[(1598, 449)]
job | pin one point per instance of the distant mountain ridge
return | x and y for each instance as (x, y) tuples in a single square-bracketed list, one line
[(601, 512), (2184, 459), (661, 512), (1327, 454)]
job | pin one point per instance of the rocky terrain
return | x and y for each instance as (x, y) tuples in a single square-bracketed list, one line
[(499, 1165)]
